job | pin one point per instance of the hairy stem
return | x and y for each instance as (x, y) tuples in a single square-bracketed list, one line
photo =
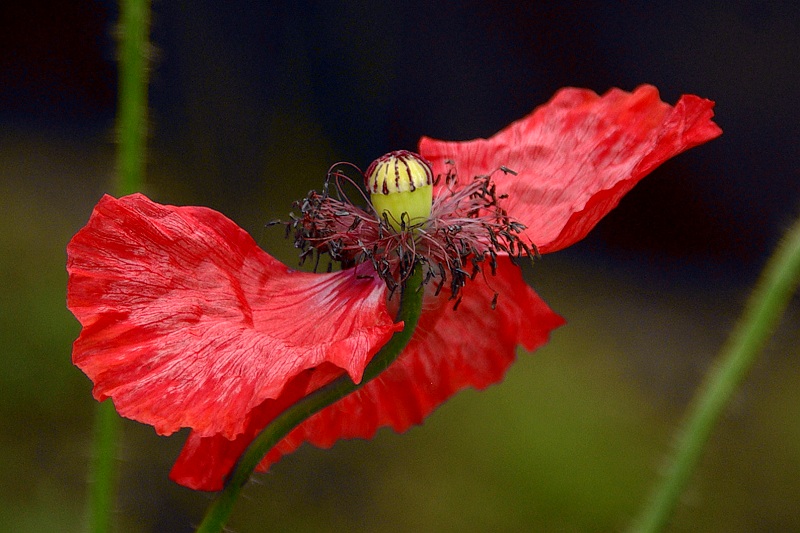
[(134, 30), (134, 54), (103, 476), (410, 311), (765, 307)]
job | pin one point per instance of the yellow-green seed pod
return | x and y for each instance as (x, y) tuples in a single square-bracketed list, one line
[(401, 186)]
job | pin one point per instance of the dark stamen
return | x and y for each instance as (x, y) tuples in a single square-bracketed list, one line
[(466, 228)]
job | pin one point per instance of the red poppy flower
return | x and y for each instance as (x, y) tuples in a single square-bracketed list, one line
[(187, 323)]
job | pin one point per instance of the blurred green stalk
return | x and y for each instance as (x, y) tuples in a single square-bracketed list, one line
[(134, 30), (103, 477), (134, 56), (775, 287), (410, 310)]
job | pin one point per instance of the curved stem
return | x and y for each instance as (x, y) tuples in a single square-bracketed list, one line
[(410, 311), (134, 28), (765, 307)]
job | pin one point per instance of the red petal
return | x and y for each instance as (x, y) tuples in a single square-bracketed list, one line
[(451, 350), (187, 323), (577, 155)]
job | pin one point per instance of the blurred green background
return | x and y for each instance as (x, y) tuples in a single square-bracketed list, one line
[(252, 102)]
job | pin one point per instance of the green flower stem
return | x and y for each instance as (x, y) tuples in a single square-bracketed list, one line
[(134, 57), (765, 307), (134, 28), (410, 310), (101, 498)]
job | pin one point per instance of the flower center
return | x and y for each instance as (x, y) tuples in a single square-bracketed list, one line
[(401, 189), (453, 237)]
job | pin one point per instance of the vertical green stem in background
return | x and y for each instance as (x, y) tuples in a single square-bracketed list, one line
[(134, 54), (410, 311), (775, 287), (106, 430), (134, 30)]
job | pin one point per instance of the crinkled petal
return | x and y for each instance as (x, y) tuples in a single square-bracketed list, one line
[(450, 350), (188, 323), (576, 156)]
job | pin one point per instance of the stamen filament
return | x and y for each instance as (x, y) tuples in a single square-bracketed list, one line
[(465, 229)]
